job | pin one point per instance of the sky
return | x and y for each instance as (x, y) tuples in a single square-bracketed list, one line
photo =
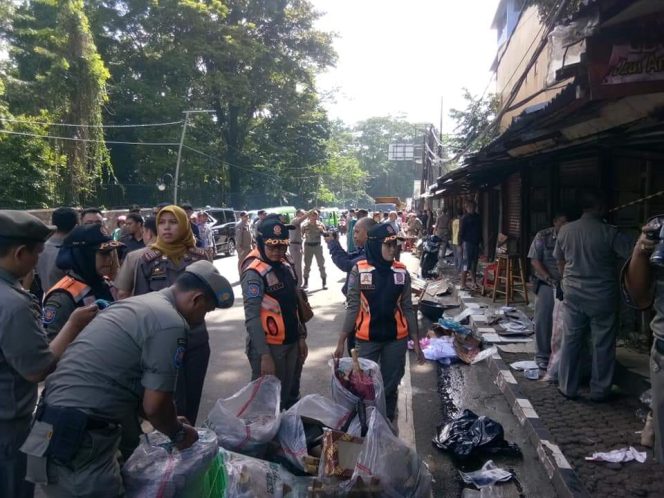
[(401, 57)]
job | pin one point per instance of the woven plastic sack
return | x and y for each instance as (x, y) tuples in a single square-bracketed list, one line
[(401, 472), (291, 436), (248, 477), (249, 419), (347, 399), (157, 469)]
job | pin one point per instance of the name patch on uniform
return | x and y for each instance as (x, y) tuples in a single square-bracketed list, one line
[(399, 278), (253, 291), (272, 279), (276, 287), (366, 279), (48, 315), (178, 359)]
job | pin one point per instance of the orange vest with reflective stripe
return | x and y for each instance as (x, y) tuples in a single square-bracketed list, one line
[(76, 289), (380, 317), (272, 318)]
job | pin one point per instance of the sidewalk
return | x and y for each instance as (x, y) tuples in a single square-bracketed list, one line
[(565, 432)]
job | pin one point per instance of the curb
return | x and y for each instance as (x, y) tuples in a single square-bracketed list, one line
[(563, 477)]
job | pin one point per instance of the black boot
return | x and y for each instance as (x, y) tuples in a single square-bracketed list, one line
[(306, 283), (324, 284)]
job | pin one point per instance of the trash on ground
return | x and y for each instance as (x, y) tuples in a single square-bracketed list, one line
[(450, 325), (156, 469), (484, 354), (467, 347), (646, 398), (469, 435), (437, 348), (532, 373), (619, 456), (465, 314), (494, 338), (340, 454), (488, 475), (248, 420), (521, 366)]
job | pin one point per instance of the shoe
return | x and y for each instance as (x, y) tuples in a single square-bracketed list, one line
[(572, 397)]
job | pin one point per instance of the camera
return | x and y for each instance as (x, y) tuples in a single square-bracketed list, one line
[(654, 230)]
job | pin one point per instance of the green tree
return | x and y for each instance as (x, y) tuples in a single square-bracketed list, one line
[(474, 124), (373, 138), (55, 67), (549, 7)]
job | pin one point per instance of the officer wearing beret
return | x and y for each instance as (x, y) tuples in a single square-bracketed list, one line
[(276, 343), (86, 257), (126, 361), (26, 357)]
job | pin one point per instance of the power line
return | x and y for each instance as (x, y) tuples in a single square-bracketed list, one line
[(46, 123), (76, 139), (253, 171)]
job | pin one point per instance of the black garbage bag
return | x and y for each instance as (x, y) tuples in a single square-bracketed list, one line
[(469, 435)]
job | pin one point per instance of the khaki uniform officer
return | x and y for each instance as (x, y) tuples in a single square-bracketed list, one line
[(158, 268), (313, 229), (128, 357), (25, 355), (295, 249), (276, 342), (242, 238), (588, 251)]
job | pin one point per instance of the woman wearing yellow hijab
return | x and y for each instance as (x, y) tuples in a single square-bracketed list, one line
[(160, 265)]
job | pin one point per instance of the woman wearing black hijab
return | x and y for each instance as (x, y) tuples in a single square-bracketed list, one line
[(86, 256), (380, 311), (277, 337)]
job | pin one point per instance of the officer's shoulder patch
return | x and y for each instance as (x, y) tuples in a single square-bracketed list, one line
[(198, 252), (178, 359), (253, 291), (151, 255), (48, 314)]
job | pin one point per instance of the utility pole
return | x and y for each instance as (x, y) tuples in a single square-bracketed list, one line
[(177, 165)]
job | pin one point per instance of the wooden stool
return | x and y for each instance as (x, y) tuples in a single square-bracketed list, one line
[(507, 282)]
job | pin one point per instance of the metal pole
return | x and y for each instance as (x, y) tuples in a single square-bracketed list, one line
[(177, 164)]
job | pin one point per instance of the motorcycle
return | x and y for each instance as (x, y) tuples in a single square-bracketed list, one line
[(429, 258)]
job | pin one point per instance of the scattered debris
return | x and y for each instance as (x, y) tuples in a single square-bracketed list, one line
[(619, 456), (488, 475)]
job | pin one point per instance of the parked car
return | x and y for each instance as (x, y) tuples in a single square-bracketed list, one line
[(222, 222)]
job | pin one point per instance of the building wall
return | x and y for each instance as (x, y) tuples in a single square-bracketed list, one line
[(513, 57)]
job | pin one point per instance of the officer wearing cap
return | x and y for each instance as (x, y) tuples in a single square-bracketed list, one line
[(242, 238), (295, 248), (313, 230), (276, 343), (86, 257), (25, 355), (125, 362), (380, 311)]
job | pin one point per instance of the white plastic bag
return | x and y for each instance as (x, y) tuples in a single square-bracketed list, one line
[(347, 399), (291, 436), (157, 470), (249, 419), (401, 471), (249, 477)]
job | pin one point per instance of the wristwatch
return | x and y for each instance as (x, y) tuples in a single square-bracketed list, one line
[(179, 435)]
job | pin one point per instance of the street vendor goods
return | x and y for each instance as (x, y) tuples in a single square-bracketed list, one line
[(247, 421), (157, 469), (344, 390)]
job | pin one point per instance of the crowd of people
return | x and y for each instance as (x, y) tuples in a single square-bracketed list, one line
[(113, 320)]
